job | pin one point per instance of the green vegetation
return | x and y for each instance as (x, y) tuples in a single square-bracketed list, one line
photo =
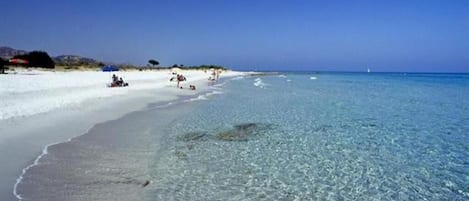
[(79, 63), (127, 67), (74, 61), (153, 62), (201, 67), (37, 59), (205, 67)]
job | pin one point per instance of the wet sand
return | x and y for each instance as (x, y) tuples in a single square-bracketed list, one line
[(110, 162)]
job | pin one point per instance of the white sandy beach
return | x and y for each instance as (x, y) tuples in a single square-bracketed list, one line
[(38, 108)]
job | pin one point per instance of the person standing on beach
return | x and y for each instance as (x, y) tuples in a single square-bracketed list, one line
[(2, 66), (214, 74), (218, 73), (180, 78)]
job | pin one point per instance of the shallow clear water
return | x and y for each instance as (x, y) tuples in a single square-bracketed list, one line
[(322, 137), (327, 136)]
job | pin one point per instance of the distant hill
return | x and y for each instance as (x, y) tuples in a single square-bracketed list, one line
[(74, 60), (8, 52), (62, 60)]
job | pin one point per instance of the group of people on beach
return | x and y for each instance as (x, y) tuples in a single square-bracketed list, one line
[(180, 78), (215, 75), (118, 82)]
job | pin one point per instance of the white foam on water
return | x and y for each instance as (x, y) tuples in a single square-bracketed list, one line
[(282, 76), (313, 78), (214, 93), (259, 83), (35, 163), (200, 97), (219, 84), (203, 96)]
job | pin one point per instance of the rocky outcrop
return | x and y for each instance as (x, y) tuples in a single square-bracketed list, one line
[(67, 60), (8, 52)]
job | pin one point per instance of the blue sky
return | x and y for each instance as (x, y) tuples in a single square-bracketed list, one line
[(409, 35)]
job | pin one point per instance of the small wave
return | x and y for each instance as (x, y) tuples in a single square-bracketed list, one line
[(288, 80), (258, 83), (215, 88), (237, 78), (220, 84), (204, 96), (283, 76), (313, 78), (165, 105), (200, 97), (214, 92)]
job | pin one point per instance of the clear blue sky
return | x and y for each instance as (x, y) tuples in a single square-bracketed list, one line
[(349, 35)]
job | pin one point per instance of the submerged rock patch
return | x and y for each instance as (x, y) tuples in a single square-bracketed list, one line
[(192, 136), (239, 132), (242, 132)]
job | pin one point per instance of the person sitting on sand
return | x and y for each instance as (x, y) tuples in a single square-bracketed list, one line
[(114, 78), (122, 83), (115, 81)]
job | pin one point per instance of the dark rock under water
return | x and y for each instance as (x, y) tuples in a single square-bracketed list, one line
[(242, 132), (239, 132), (192, 136)]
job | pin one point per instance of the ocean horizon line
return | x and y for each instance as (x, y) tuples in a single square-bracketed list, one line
[(354, 72)]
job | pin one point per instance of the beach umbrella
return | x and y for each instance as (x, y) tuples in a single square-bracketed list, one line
[(18, 61), (109, 68)]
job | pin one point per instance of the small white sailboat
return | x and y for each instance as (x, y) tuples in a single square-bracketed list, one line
[(369, 71)]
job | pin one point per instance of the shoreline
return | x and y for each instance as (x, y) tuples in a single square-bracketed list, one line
[(48, 127), (45, 151)]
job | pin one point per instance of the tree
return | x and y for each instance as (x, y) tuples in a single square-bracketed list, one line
[(175, 66), (153, 62), (2, 66), (37, 59)]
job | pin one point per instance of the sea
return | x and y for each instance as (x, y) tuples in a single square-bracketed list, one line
[(275, 136)]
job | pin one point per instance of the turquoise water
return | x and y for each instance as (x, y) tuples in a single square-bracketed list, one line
[(321, 136), (325, 136)]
